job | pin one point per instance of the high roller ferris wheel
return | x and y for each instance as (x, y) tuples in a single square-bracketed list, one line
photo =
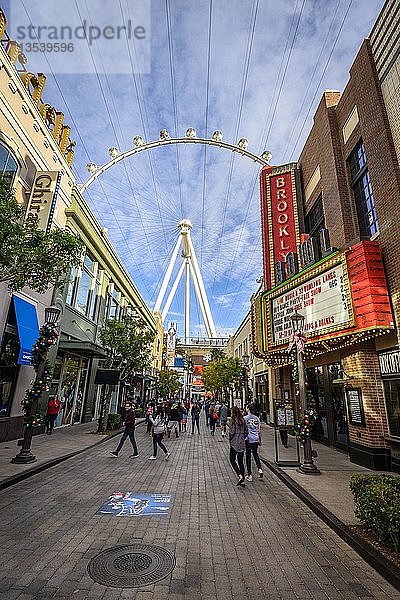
[(189, 264)]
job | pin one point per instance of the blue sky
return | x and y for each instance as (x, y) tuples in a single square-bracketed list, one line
[(258, 72)]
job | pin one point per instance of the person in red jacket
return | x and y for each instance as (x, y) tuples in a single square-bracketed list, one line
[(53, 407), (129, 431)]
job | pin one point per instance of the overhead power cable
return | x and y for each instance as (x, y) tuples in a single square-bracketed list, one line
[(321, 78)]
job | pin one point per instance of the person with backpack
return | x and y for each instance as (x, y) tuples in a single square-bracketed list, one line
[(253, 440), (237, 434), (158, 423)]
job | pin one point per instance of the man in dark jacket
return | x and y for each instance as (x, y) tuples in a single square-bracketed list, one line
[(128, 432), (196, 409)]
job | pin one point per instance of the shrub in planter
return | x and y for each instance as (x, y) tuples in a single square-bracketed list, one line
[(114, 421), (377, 505), (139, 412)]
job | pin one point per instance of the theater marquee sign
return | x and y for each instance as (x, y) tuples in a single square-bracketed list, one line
[(322, 300), (321, 295)]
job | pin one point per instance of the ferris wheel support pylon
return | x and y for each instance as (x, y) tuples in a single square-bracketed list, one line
[(191, 268)]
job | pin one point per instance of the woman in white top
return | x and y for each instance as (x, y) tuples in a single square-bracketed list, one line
[(158, 421)]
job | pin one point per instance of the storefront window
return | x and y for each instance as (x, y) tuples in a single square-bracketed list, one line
[(8, 369), (392, 397)]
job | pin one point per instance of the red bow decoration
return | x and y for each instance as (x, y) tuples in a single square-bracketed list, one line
[(298, 339)]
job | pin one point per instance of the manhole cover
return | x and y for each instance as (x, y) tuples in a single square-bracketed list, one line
[(131, 566)]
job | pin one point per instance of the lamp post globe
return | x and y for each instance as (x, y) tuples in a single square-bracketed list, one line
[(298, 321), (51, 314)]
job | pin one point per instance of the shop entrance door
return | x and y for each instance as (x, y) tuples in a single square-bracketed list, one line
[(331, 425), (340, 429)]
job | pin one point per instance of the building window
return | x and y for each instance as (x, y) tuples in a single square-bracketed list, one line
[(113, 304), (83, 288), (8, 164), (315, 219), (362, 189)]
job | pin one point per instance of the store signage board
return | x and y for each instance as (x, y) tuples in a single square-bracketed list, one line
[(322, 300), (132, 504), (355, 407), (389, 363)]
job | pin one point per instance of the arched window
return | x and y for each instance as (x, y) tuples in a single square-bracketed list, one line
[(8, 164)]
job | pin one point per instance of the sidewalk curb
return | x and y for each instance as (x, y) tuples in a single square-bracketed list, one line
[(13, 479), (384, 566)]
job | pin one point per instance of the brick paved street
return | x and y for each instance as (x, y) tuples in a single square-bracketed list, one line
[(258, 542)]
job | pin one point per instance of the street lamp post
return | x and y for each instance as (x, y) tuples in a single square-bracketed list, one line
[(47, 337), (246, 363), (307, 466)]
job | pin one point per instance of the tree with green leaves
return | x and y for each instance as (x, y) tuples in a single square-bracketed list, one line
[(29, 256), (168, 384), (222, 376), (129, 344)]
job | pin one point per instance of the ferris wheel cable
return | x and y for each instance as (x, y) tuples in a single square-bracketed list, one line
[(143, 114), (246, 65), (100, 217), (237, 246), (321, 78), (284, 73), (311, 79), (174, 102), (108, 111), (203, 194), (244, 279), (71, 117)]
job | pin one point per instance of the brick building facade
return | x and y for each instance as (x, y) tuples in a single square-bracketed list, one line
[(350, 186)]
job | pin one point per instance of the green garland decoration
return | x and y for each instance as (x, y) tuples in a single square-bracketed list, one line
[(48, 336), (304, 427)]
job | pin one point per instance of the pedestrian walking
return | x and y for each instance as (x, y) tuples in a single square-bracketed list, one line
[(196, 409), (207, 412), (173, 420), (223, 418), (149, 412), (53, 408), (253, 440), (129, 431), (237, 434), (158, 422), (213, 418), (183, 419)]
